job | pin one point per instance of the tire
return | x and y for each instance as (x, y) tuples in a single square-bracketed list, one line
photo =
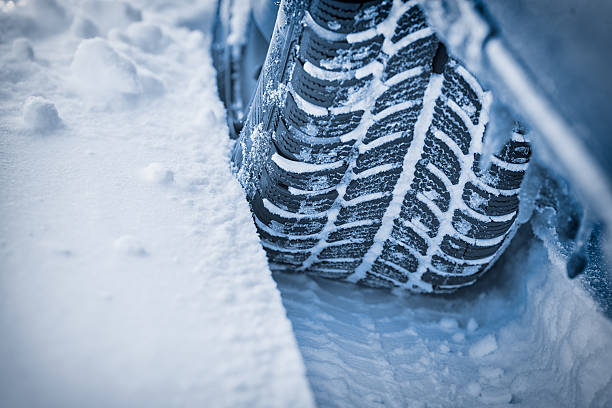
[(361, 147)]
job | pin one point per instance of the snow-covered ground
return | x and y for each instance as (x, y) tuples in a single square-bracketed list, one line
[(130, 270), (131, 273)]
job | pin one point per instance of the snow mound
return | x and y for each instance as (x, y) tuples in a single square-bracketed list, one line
[(100, 69), (40, 114), (83, 27), (110, 14), (22, 49), (100, 72), (147, 37)]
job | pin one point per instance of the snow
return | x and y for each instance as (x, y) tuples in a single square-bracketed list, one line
[(22, 49), (130, 270), (524, 335), (100, 69), (472, 325), (40, 114), (129, 245), (157, 173), (483, 347), (131, 273)]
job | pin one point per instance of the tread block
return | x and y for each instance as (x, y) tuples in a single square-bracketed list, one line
[(416, 211), (440, 155), (323, 126), (401, 121), (503, 179), (411, 89), (297, 146), (447, 121), (515, 152), (352, 250), (488, 204), (419, 53), (340, 266), (362, 232), (325, 93), (387, 153), (431, 186), (338, 55), (455, 87), (388, 271), (349, 16), (286, 225), (410, 22), (464, 250), (453, 268), (373, 281), (395, 253), (439, 281), (381, 182), (280, 196), (477, 229), (373, 209), (286, 241), (309, 181), (282, 257), (409, 237)]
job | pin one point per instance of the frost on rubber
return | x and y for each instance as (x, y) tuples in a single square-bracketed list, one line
[(360, 152)]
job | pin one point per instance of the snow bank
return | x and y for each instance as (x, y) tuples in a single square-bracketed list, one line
[(130, 270)]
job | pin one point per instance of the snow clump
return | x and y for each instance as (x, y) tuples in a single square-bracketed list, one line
[(147, 37), (484, 346), (83, 27), (40, 114), (472, 325), (129, 245), (110, 14), (157, 173), (101, 70), (22, 50), (448, 323)]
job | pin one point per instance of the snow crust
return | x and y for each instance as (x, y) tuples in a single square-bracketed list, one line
[(130, 270)]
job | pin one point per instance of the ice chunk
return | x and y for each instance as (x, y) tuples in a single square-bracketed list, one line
[(484, 346), (40, 114)]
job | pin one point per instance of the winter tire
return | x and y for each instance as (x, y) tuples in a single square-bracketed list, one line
[(360, 151)]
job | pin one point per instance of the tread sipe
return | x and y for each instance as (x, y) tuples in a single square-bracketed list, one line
[(361, 148)]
